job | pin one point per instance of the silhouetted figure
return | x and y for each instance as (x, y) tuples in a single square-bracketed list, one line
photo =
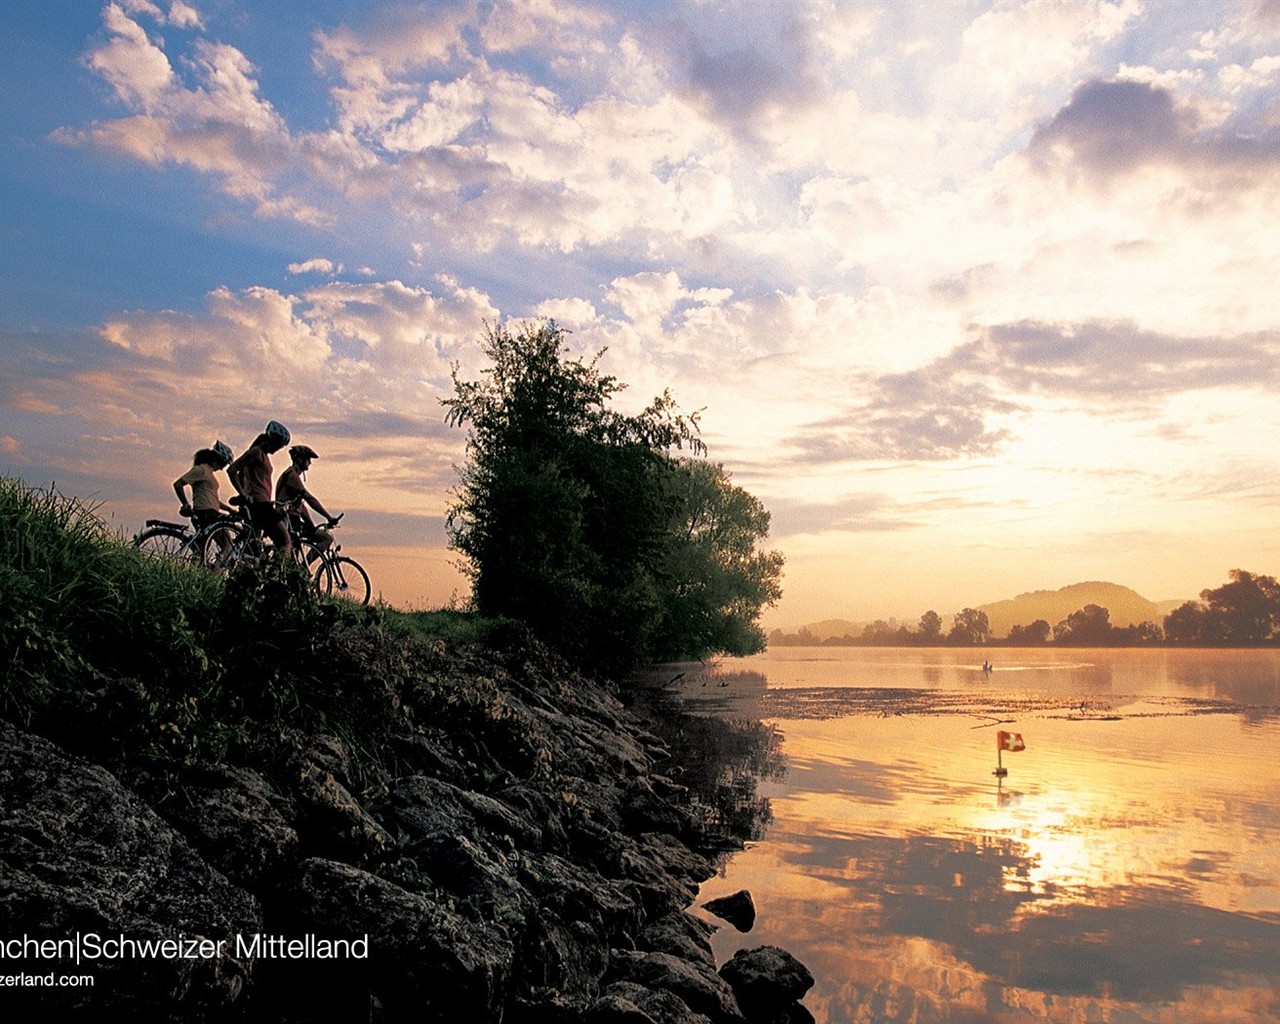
[(251, 476), (292, 489), (205, 506)]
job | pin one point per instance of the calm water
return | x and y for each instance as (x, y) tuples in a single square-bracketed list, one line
[(1127, 868)]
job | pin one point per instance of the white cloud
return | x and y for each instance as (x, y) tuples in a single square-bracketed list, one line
[(132, 64), (254, 332), (542, 24), (569, 313), (218, 125), (184, 15), (319, 265)]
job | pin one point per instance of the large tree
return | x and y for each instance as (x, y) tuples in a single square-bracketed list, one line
[(581, 521), (930, 627), (715, 578), (1245, 610), (1035, 633), (970, 626), (1088, 626)]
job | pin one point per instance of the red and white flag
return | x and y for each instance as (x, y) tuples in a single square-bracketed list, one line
[(1011, 741)]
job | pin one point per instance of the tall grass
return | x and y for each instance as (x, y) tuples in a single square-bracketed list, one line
[(78, 606)]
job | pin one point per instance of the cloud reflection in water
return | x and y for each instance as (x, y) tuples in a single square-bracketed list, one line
[(1127, 870)]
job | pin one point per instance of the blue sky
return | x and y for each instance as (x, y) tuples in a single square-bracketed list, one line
[(977, 297)]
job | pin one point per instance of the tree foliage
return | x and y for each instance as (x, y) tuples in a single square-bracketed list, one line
[(583, 521), (970, 627), (1244, 610), (716, 579), (1090, 626), (1036, 632), (930, 627)]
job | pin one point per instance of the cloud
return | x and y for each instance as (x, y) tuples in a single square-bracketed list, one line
[(350, 364), (1112, 129), (254, 332), (319, 265), (1116, 362), (914, 417), (216, 124), (132, 64), (858, 513)]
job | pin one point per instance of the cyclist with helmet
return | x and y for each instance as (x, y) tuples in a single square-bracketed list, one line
[(292, 489), (205, 506), (251, 476)]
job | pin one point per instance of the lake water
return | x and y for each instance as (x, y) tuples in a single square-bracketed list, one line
[(1126, 869)]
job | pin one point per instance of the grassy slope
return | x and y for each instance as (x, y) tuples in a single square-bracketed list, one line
[(208, 662)]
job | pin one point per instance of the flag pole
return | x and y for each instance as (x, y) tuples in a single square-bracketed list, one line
[(1000, 771)]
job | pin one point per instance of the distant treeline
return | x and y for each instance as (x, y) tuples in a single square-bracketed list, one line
[(1243, 612)]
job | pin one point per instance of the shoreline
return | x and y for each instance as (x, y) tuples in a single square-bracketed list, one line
[(551, 887)]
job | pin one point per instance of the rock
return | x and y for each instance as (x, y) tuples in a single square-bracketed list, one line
[(79, 854), (330, 817), (562, 959), (738, 909), (697, 985), (424, 806), (233, 817), (767, 982), (680, 935), (629, 1003), (644, 810), (615, 1008), (424, 961), (493, 882), (429, 754), (574, 892), (486, 885)]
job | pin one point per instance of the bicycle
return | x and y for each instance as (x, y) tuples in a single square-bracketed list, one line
[(204, 547), (332, 574), (338, 575)]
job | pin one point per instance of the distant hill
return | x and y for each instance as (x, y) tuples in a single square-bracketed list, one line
[(828, 628), (1127, 607)]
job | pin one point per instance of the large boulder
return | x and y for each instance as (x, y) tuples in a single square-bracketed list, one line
[(628, 1003), (738, 908), (769, 982)]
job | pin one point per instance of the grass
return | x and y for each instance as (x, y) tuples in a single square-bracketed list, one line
[(75, 602), (141, 657)]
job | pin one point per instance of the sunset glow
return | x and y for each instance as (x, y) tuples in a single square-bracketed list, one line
[(976, 297)]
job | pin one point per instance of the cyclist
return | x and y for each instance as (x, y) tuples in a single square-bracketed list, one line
[(251, 476), (292, 490), (205, 506)]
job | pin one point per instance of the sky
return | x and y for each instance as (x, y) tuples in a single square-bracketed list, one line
[(977, 298)]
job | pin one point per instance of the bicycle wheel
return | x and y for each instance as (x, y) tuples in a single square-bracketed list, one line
[(344, 578), (308, 555), (162, 541), (222, 546)]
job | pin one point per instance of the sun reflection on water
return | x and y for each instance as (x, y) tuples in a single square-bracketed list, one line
[(1126, 868)]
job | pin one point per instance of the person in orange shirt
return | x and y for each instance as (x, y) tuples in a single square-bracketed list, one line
[(251, 476)]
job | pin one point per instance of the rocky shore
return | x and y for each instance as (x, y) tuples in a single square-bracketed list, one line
[(486, 836)]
